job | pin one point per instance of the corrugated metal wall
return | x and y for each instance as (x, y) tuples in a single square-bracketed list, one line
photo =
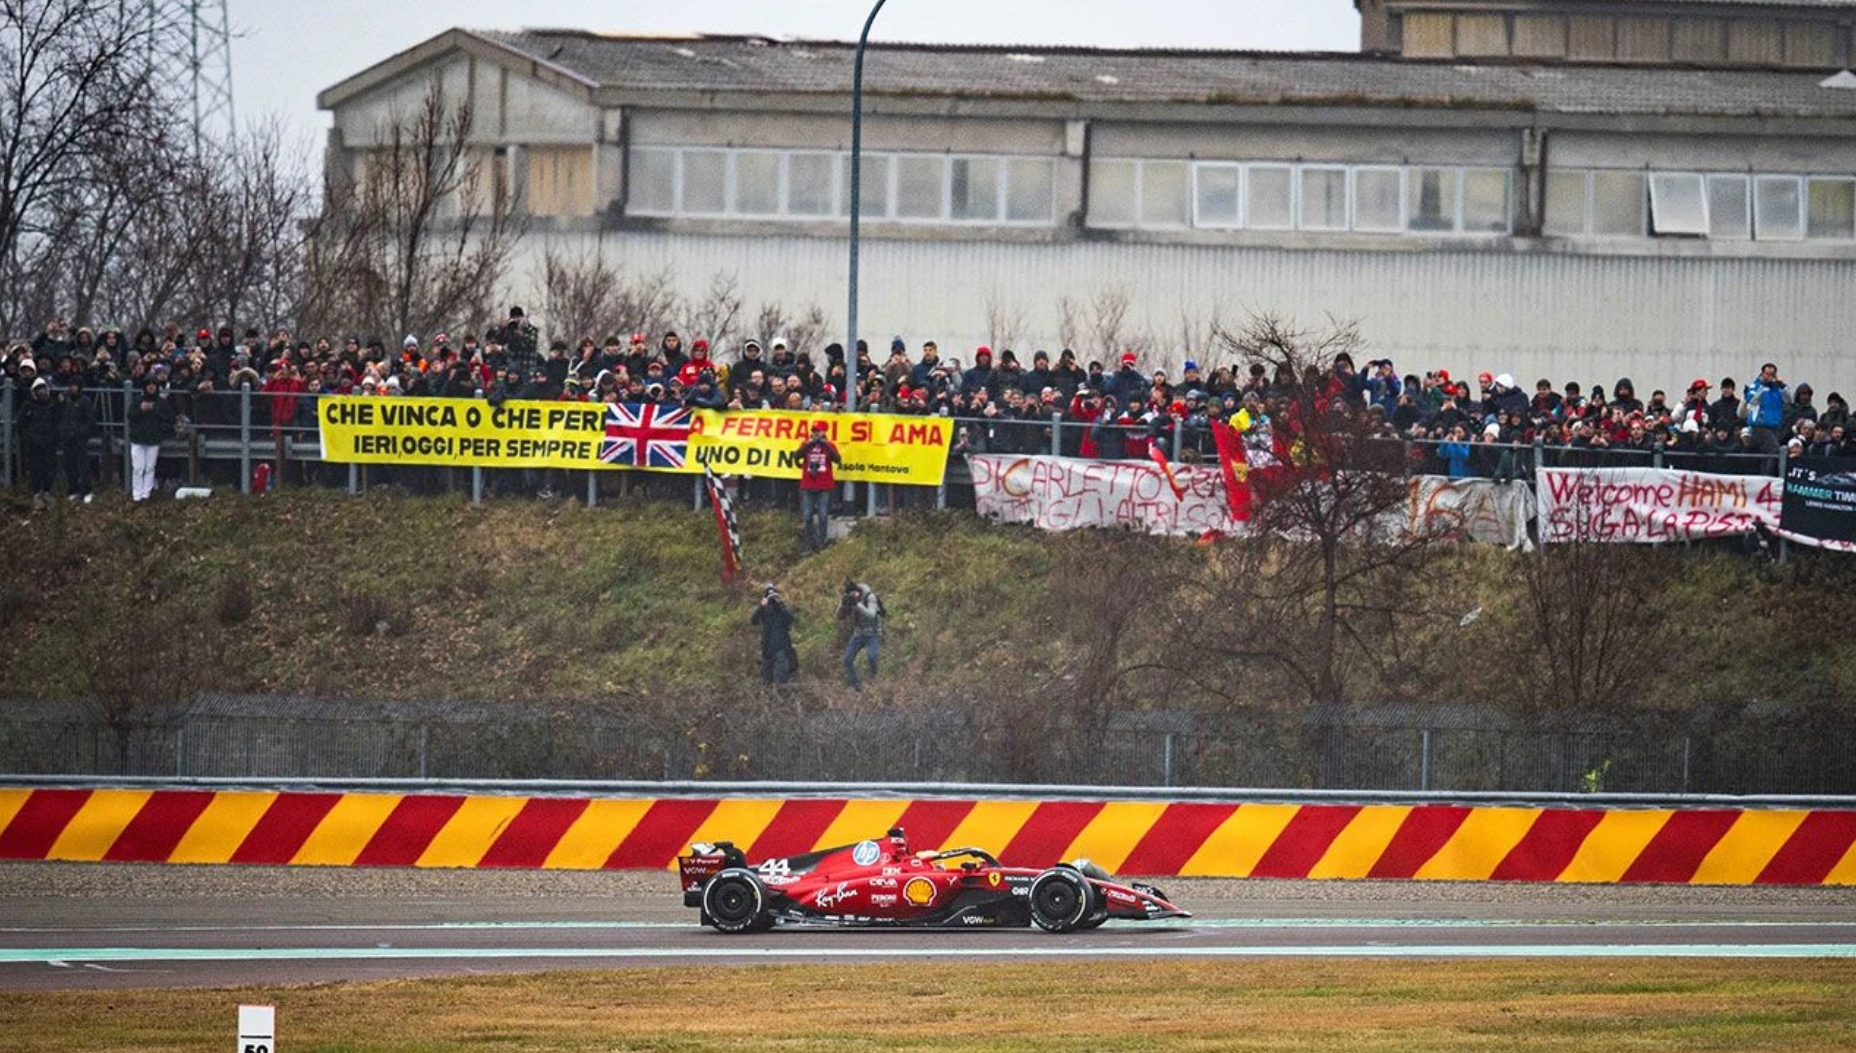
[(1660, 321)]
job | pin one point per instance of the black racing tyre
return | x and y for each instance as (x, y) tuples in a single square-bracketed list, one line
[(735, 901), (1093, 923), (1061, 900)]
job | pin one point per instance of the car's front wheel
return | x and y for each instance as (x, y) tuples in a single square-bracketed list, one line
[(735, 901), (1061, 900)]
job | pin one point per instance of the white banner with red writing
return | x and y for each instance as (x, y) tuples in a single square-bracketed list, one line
[(1066, 493), (1652, 505), (1470, 510)]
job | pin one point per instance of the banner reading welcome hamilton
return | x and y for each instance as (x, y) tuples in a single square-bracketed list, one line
[(577, 435)]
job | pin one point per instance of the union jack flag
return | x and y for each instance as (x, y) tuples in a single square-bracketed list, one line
[(643, 435)]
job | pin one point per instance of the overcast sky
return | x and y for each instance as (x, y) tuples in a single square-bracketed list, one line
[(284, 51)]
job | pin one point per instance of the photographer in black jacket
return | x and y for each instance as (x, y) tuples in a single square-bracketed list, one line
[(779, 661)]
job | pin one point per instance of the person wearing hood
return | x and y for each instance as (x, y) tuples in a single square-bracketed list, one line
[(151, 422), (979, 379), (1624, 396), (76, 424), (698, 361), (39, 422), (1508, 398), (782, 364), (1033, 381)]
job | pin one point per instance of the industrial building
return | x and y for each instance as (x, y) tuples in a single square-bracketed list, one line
[(1577, 189)]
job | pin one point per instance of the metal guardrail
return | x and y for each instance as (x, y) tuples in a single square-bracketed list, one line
[(963, 791)]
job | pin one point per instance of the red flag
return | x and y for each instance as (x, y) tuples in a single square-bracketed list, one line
[(1236, 468), (1166, 470)]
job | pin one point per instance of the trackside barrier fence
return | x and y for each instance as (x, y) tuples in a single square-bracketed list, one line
[(1725, 749)]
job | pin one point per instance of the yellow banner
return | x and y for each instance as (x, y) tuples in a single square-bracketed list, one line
[(882, 448)]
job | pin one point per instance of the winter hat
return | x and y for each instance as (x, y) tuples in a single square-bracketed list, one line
[(1127, 358), (982, 352), (410, 341), (1191, 366), (1505, 380), (39, 383)]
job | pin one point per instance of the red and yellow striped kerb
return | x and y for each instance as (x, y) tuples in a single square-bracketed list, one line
[(1441, 842)]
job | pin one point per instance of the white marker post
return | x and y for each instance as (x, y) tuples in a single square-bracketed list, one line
[(257, 1029)]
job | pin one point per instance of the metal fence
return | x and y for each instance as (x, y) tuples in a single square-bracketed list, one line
[(224, 435), (1729, 750)]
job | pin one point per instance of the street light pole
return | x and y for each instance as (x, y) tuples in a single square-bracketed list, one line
[(857, 186)]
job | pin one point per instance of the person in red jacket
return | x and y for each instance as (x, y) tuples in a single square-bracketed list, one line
[(690, 371), (817, 458)]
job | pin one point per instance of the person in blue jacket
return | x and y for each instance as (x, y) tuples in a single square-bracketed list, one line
[(1765, 408), (1456, 452)]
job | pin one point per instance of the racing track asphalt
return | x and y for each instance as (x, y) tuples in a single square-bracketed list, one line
[(96, 926)]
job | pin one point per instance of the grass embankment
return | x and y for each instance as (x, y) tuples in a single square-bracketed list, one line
[(390, 596), (1378, 1007)]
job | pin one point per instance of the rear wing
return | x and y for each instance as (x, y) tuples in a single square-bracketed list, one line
[(704, 862)]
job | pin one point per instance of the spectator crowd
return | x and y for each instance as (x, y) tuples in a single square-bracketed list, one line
[(65, 380)]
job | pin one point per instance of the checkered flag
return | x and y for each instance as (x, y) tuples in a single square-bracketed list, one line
[(724, 522)]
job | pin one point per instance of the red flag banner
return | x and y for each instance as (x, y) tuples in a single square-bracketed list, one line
[(1166, 469), (1236, 469)]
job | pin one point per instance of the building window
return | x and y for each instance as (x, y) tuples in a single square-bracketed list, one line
[(920, 187), (1269, 197), (1379, 199), (704, 183), (1030, 190), (1485, 201), (1830, 209), (1617, 204), (1433, 199), (757, 183), (652, 188), (1217, 193), (1164, 199), (874, 175), (975, 188), (1729, 216), (1324, 198), (1678, 204), (1778, 208), (1568, 199), (811, 183)]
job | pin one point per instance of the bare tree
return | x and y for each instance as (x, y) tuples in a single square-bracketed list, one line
[(423, 235), (802, 332), (583, 295), (76, 84), (1005, 321), (1592, 611), (1108, 320), (1317, 594), (718, 312), (1069, 323)]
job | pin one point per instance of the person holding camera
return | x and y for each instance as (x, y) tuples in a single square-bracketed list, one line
[(779, 660), (861, 606)]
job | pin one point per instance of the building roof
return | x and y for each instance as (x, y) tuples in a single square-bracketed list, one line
[(626, 65), (1587, 5)]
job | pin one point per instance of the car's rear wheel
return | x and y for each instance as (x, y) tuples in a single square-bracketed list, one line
[(735, 901), (1061, 900)]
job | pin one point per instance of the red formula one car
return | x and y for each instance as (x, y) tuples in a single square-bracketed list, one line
[(882, 883)]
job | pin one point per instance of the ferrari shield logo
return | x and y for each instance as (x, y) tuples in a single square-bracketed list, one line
[(919, 891), (993, 879)]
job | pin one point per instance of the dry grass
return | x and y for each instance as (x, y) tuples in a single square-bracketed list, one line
[(1379, 1007)]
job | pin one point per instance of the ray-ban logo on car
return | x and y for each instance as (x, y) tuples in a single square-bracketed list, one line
[(866, 853), (828, 900)]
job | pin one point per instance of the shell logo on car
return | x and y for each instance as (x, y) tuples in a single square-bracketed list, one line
[(919, 891)]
